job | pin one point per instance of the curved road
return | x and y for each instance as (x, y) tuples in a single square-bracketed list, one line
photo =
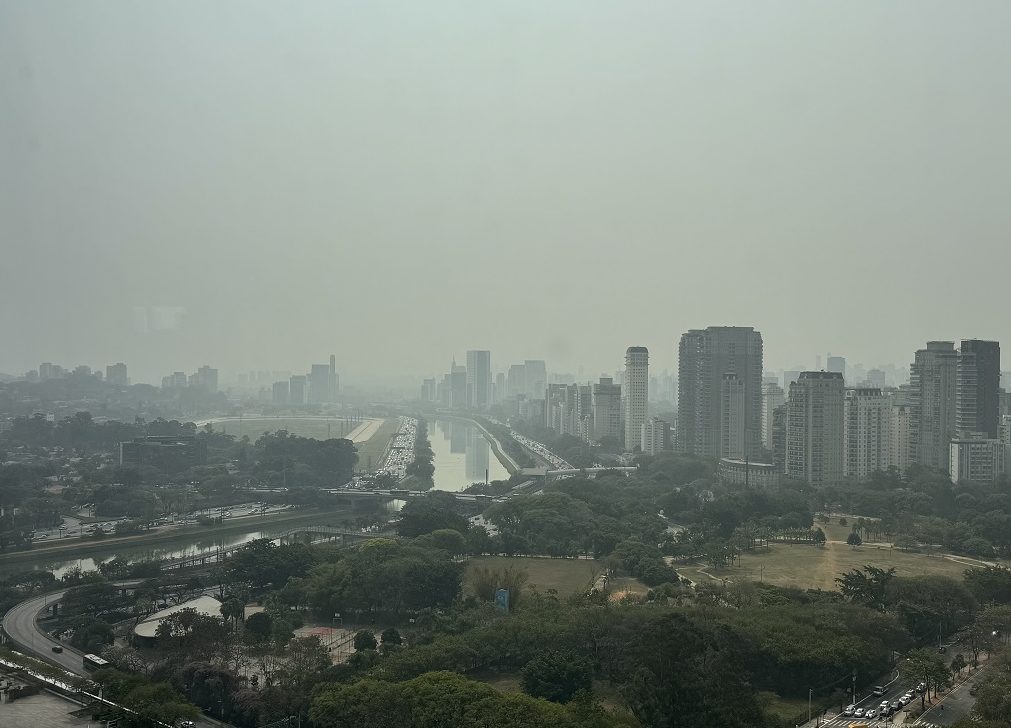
[(21, 628)]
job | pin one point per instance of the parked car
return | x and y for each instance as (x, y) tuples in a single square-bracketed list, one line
[(858, 713), (849, 710), (895, 706), (921, 688)]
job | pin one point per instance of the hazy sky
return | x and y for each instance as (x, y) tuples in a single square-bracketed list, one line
[(258, 184)]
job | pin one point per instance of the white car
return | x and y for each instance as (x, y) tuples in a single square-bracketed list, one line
[(849, 711), (858, 713)]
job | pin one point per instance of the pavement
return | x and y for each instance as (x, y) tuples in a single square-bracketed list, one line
[(44, 709), (957, 704)]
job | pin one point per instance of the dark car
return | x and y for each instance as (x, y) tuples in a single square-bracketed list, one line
[(57, 649)]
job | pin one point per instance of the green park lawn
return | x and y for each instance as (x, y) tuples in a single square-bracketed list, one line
[(812, 567), (568, 576)]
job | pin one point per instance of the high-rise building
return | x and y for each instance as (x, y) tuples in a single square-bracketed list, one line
[(606, 403), (867, 438), (876, 378), (655, 436), (836, 364), (297, 386), (116, 374), (319, 384), (428, 390), (779, 438), (205, 378), (457, 386), (175, 380), (636, 391), (479, 382), (977, 390), (932, 378), (705, 356), (279, 392), (900, 417), (814, 428), (516, 382), (733, 409), (334, 380), (500, 388), (535, 378), (772, 397)]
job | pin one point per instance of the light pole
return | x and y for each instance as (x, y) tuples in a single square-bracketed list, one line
[(809, 693)]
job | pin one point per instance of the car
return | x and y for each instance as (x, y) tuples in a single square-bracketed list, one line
[(973, 690), (858, 713), (905, 700), (895, 706), (883, 705), (849, 710), (871, 713), (878, 690), (57, 649), (921, 688)]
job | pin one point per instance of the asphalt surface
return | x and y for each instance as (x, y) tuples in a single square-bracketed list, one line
[(20, 626), (957, 705)]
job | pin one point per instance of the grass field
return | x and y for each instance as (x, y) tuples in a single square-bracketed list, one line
[(810, 567), (319, 429), (568, 576)]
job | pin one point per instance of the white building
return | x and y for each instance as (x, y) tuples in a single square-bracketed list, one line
[(867, 437), (979, 461), (636, 393), (814, 428), (655, 436)]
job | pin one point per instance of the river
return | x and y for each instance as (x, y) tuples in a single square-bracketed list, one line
[(462, 455)]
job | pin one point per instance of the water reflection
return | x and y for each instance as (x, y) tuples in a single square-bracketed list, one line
[(462, 455)]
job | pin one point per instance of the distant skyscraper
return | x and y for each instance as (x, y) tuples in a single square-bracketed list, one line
[(279, 393), (428, 390), (705, 356), (814, 428), (836, 364), (932, 380), (867, 437), (516, 381), (636, 391), (535, 377), (297, 385), (772, 397), (116, 374), (977, 390), (479, 382), (500, 387), (334, 381), (206, 378), (876, 378), (457, 386), (606, 396), (319, 384)]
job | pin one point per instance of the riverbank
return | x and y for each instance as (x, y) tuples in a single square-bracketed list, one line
[(496, 447), (74, 548)]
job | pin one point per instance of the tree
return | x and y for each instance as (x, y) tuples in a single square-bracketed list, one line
[(449, 540), (391, 636), (819, 537), (259, 626), (868, 586), (364, 640), (854, 539), (927, 665), (233, 610), (958, 664), (557, 676)]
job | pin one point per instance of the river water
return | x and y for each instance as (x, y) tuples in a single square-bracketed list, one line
[(462, 457)]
